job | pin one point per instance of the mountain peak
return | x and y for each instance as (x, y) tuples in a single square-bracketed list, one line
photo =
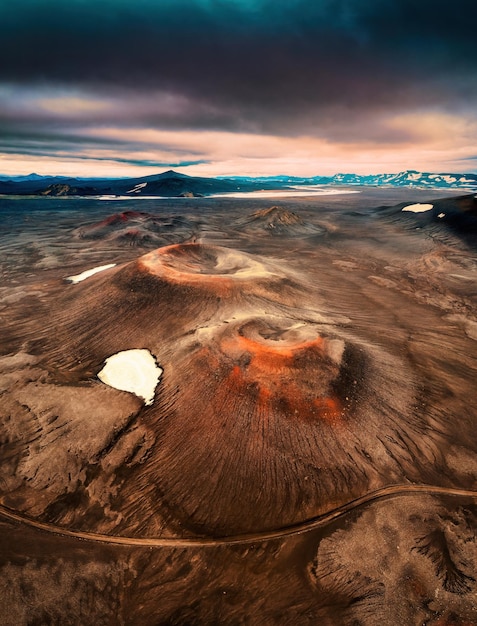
[(173, 174)]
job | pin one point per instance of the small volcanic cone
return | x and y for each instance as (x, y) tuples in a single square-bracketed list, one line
[(138, 228), (277, 215), (111, 223), (279, 221)]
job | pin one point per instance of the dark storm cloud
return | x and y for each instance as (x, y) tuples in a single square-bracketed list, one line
[(61, 149), (283, 67), (58, 142)]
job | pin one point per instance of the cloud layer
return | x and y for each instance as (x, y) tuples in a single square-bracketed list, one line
[(372, 74)]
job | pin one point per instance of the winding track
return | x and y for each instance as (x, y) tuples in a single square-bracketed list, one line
[(247, 538)]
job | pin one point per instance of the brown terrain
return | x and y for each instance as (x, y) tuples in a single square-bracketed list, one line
[(309, 455)]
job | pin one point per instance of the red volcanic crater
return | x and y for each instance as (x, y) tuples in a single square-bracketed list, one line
[(292, 373), (266, 413)]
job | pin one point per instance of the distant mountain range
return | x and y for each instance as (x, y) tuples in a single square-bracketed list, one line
[(174, 184), (409, 178), (167, 184)]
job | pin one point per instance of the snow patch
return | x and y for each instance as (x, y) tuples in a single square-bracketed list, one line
[(418, 208), (441, 215), (135, 371), (86, 274), (137, 188)]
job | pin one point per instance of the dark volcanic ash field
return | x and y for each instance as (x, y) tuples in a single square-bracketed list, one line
[(308, 452)]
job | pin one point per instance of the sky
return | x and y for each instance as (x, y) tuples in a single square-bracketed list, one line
[(237, 87)]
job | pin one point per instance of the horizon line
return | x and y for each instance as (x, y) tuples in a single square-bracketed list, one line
[(233, 176)]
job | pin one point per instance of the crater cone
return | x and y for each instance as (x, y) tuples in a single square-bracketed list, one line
[(292, 372), (138, 228), (246, 415), (278, 221), (214, 267)]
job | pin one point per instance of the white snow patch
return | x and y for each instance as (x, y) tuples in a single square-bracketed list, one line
[(414, 176), (137, 188), (418, 208), (135, 371), (449, 179), (441, 215), (86, 274)]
